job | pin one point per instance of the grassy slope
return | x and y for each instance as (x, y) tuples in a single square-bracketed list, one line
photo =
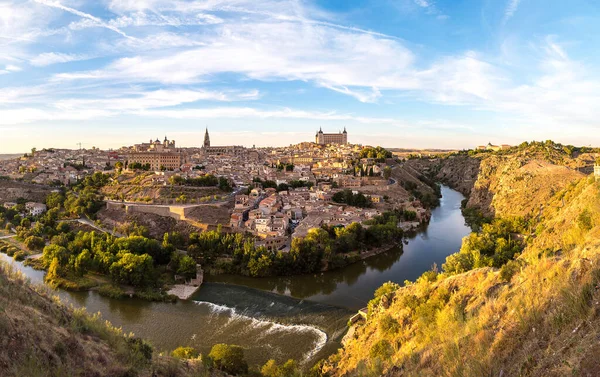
[(39, 336), (544, 321)]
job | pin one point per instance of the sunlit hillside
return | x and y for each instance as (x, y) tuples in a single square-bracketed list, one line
[(494, 310)]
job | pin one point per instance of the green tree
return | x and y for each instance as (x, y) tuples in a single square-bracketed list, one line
[(55, 252), (54, 271), (34, 243), (260, 266), (228, 358), (137, 270), (83, 262), (187, 267)]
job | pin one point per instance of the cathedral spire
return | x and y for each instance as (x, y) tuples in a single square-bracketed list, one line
[(206, 139)]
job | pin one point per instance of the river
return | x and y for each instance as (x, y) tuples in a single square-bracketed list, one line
[(300, 317)]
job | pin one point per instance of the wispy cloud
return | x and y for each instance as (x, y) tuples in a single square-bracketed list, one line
[(431, 8), (48, 58), (94, 20), (511, 9), (10, 68)]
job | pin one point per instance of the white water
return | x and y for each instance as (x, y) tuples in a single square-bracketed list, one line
[(271, 327)]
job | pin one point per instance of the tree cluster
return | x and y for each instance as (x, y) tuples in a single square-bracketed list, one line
[(378, 153), (493, 246), (348, 197)]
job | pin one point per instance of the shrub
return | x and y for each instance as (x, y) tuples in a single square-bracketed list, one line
[(34, 243), (381, 350), (185, 353), (19, 255), (140, 348), (388, 325), (509, 270), (584, 220), (11, 251)]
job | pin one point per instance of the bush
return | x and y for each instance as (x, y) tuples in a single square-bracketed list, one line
[(228, 358), (112, 291), (185, 353), (388, 325), (11, 251), (140, 348), (584, 220), (19, 255), (509, 270), (381, 350)]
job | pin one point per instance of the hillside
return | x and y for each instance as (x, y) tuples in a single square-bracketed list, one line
[(538, 314), (508, 183), (39, 336)]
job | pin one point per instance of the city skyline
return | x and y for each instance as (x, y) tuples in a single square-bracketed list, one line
[(401, 74)]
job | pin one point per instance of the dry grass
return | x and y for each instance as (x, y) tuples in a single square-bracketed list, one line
[(545, 321), (39, 336)]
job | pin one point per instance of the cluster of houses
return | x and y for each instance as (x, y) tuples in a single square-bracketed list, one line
[(277, 217), (31, 208)]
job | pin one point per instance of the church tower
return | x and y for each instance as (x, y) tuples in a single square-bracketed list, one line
[(206, 139)]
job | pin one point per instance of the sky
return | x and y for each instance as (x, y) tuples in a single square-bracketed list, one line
[(396, 73)]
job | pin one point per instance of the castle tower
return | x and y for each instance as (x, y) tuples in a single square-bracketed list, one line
[(319, 137), (206, 139)]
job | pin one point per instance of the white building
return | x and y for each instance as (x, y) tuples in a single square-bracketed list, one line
[(35, 209)]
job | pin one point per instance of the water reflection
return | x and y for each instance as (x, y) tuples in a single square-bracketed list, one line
[(353, 286)]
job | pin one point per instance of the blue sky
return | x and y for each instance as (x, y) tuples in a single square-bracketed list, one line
[(397, 73)]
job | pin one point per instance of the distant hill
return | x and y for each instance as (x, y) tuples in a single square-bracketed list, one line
[(9, 156)]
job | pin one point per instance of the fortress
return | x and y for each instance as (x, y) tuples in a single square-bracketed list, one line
[(322, 138), (159, 155)]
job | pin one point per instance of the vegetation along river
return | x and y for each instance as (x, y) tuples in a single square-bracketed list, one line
[(299, 317)]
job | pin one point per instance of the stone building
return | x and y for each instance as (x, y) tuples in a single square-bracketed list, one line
[(322, 138), (229, 150), (159, 155)]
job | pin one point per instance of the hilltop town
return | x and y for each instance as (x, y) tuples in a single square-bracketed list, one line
[(273, 194)]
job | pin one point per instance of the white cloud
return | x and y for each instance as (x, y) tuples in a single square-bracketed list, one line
[(511, 9), (13, 68), (361, 95), (48, 58), (422, 3), (154, 99), (21, 94), (92, 20), (149, 107), (10, 68), (277, 51)]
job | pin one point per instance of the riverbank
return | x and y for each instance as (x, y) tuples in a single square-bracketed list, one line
[(267, 326), (187, 290), (100, 284)]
